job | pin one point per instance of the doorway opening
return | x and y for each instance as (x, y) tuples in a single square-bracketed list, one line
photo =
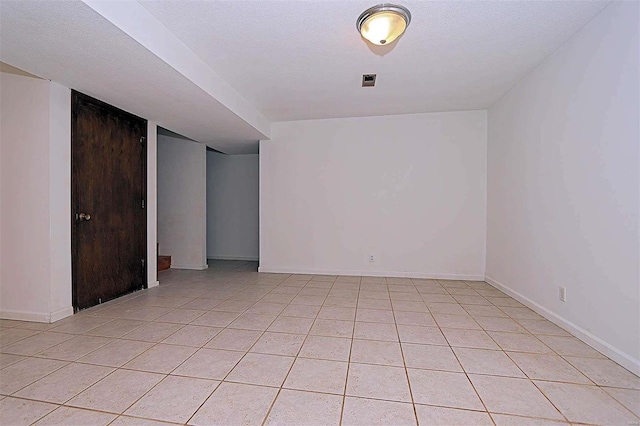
[(233, 192), (208, 201)]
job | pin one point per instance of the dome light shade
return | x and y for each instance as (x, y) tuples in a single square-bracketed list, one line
[(383, 23)]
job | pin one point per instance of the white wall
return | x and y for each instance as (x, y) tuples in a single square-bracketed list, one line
[(1, 87), (232, 206), (182, 226), (563, 186), (60, 201), (24, 129), (409, 189), (35, 135), (152, 204)]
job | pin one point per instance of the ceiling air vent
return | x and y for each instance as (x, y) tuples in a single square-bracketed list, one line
[(368, 80)]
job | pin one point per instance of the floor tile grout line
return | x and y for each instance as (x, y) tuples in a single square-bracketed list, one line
[(79, 392), (346, 378), (149, 390), (531, 381), (65, 405), (469, 379), (264, 420), (116, 318), (527, 377), (46, 375), (238, 362), (306, 391), (591, 382), (620, 402), (131, 416), (463, 369), (79, 360), (550, 401), (406, 370), (510, 351), (498, 307), (113, 372), (223, 380)]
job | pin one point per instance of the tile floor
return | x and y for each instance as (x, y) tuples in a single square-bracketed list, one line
[(230, 346)]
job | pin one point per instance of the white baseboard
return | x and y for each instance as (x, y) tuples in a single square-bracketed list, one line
[(153, 284), (62, 313), (248, 259), (190, 267), (391, 274), (439, 276), (26, 316), (622, 358), (37, 316)]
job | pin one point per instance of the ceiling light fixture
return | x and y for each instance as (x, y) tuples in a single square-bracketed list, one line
[(383, 23)]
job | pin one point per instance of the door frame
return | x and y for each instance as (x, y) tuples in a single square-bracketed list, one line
[(77, 97)]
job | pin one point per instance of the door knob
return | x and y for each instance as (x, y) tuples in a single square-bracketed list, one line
[(84, 216)]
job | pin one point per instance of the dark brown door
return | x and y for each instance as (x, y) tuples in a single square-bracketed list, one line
[(108, 181)]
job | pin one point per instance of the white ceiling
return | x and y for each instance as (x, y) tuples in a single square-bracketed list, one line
[(304, 59), (70, 43), (213, 70)]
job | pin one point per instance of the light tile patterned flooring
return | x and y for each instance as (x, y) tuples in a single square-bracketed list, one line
[(230, 346)]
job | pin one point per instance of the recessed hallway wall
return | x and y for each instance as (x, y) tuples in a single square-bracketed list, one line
[(232, 206), (182, 202)]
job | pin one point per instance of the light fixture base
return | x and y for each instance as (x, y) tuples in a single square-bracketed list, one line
[(383, 23)]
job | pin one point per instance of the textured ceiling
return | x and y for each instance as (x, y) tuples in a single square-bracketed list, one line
[(304, 59), (71, 44), (213, 70)]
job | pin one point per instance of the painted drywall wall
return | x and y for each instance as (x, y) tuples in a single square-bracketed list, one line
[(0, 193), (152, 204), (232, 206), (25, 259), (35, 277), (60, 200), (563, 186), (182, 204), (408, 189)]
